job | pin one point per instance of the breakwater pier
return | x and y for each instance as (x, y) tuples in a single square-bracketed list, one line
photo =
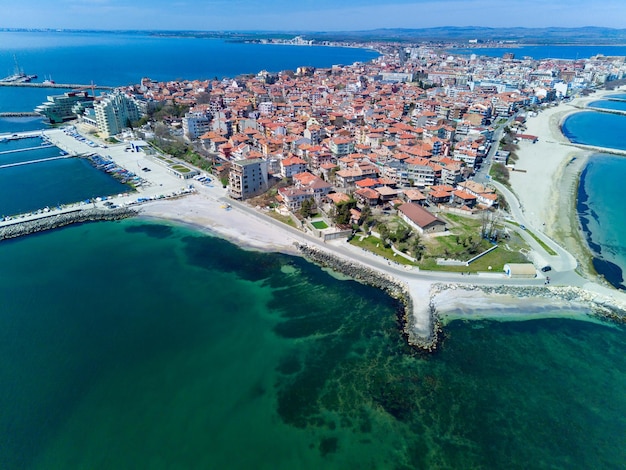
[(50, 221), (30, 162), (19, 114), (56, 85)]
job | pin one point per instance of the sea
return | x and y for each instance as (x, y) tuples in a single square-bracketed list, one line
[(569, 52), (143, 344)]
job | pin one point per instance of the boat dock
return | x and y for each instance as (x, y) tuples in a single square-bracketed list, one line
[(43, 146), (30, 162), (24, 114), (56, 85)]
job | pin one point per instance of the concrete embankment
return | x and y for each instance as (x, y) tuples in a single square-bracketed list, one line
[(52, 221), (391, 285)]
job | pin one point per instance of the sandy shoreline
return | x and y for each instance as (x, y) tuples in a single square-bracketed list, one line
[(547, 188)]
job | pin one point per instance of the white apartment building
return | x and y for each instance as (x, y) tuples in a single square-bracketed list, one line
[(247, 178), (114, 112), (195, 124)]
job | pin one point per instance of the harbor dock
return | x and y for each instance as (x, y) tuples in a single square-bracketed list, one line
[(56, 85)]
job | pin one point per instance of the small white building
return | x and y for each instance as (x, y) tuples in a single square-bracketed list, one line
[(520, 270)]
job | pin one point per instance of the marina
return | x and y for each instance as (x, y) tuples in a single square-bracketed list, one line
[(18, 75), (85, 175)]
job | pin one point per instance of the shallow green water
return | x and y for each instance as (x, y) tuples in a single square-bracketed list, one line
[(134, 345)]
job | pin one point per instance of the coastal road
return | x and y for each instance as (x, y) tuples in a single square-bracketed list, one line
[(351, 252)]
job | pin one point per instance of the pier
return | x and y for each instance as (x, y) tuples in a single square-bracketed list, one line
[(602, 110), (25, 114), (55, 85), (593, 148), (30, 162), (27, 149)]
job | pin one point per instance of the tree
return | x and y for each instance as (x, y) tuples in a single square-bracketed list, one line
[(383, 230), (366, 216), (306, 210), (342, 212), (401, 233), (416, 247), (500, 173)]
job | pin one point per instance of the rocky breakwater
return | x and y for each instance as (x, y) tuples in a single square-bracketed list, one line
[(388, 283), (509, 297), (52, 221)]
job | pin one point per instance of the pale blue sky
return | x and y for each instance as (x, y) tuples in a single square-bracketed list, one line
[(307, 15)]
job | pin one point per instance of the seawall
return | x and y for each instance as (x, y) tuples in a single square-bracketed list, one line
[(52, 221), (391, 285)]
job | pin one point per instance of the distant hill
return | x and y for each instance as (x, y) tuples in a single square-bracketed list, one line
[(590, 34), (586, 35)]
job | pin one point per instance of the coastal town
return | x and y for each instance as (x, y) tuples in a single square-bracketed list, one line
[(409, 157)]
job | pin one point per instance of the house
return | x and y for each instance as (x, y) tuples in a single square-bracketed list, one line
[(464, 198), (313, 184), (527, 137), (367, 196), (413, 195), (291, 166), (419, 218), (386, 193), (294, 197)]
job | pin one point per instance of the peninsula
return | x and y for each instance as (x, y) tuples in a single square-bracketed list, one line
[(443, 179)]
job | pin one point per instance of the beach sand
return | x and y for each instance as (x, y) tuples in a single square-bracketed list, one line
[(548, 185)]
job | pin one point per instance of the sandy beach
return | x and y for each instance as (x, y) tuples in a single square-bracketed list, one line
[(547, 176)]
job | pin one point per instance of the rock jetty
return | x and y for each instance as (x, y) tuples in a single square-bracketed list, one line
[(389, 284), (52, 221)]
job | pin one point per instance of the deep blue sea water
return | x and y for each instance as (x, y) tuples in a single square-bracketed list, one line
[(121, 59), (141, 345), (608, 104), (546, 52)]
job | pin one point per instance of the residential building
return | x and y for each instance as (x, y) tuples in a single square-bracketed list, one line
[(247, 178), (114, 113), (420, 219), (60, 108), (195, 125)]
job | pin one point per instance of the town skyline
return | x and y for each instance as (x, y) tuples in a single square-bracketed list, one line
[(322, 15)]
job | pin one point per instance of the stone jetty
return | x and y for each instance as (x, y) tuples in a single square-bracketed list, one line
[(388, 283), (52, 221)]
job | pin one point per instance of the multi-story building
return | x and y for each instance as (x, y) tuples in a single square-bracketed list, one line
[(114, 113), (341, 146), (60, 108), (196, 124), (247, 178)]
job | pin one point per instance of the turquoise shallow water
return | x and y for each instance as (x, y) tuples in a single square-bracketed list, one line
[(599, 193), (139, 345)]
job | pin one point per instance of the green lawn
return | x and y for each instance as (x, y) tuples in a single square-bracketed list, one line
[(375, 245), (319, 224), (282, 218)]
